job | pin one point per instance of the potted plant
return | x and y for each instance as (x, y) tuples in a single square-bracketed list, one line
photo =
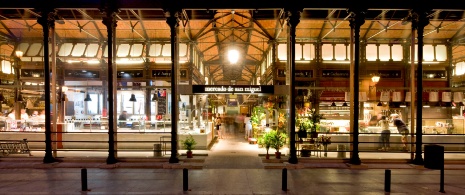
[(277, 141), (315, 123), (266, 141), (189, 144)]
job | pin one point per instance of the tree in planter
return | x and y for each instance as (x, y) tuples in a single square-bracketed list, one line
[(277, 141), (266, 141), (189, 144)]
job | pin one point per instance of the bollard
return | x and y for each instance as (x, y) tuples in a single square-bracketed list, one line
[(387, 180), (284, 180), (185, 184), (441, 188), (84, 179)]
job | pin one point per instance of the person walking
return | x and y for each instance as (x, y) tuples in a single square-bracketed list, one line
[(218, 127), (385, 133)]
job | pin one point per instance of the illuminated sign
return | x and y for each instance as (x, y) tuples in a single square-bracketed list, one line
[(239, 89)]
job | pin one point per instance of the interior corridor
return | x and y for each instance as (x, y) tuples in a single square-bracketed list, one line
[(233, 152)]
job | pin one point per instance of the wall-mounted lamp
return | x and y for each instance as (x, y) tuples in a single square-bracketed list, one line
[(133, 98)]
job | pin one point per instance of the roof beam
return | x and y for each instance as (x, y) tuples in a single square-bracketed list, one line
[(101, 37), (141, 23), (238, 4)]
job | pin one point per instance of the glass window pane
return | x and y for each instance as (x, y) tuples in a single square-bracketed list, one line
[(340, 52), (441, 53), (371, 52), (397, 53), (384, 52), (327, 52)]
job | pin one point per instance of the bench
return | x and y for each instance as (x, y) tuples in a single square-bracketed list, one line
[(15, 147)]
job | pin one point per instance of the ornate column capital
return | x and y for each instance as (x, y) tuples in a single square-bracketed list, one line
[(172, 17), (47, 18), (293, 16), (357, 17)]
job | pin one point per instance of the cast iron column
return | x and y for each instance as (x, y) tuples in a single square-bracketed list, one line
[(172, 18), (109, 20), (292, 22), (357, 19), (47, 21), (419, 21)]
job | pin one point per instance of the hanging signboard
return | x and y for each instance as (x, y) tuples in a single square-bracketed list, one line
[(167, 73), (82, 74), (233, 89), (446, 97), (336, 73), (34, 73), (362, 96), (433, 96), (396, 96), (130, 74), (408, 96), (385, 96), (458, 96)]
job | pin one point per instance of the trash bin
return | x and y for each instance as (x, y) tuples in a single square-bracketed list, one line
[(434, 156), (341, 151), (156, 150)]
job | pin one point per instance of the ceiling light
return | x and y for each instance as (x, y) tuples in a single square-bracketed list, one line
[(87, 99), (403, 105), (233, 56), (375, 78), (133, 98), (155, 97), (344, 104), (20, 98), (426, 105), (333, 104)]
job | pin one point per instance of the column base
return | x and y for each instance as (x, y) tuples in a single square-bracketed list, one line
[(48, 158)]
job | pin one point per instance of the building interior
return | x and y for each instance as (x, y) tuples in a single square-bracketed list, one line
[(255, 66)]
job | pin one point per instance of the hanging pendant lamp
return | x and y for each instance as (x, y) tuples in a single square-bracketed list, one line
[(333, 104), (380, 104), (344, 104), (133, 98), (20, 98), (87, 99), (42, 97)]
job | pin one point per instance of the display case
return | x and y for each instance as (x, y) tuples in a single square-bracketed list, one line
[(334, 111)]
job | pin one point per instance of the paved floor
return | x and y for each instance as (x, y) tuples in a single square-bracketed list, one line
[(231, 167)]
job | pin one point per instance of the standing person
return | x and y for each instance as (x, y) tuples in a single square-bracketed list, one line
[(24, 118), (402, 128), (218, 126), (122, 119), (385, 133)]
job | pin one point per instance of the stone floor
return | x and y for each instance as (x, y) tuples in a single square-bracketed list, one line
[(232, 166)]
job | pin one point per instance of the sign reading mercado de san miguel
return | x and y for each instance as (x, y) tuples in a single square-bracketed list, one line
[(239, 89)]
